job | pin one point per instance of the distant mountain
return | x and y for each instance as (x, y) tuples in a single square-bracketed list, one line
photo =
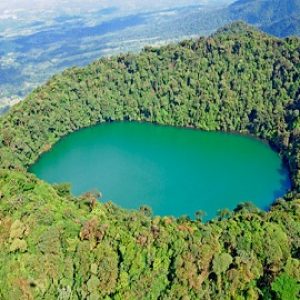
[(277, 17), (262, 11), (284, 27), (32, 49)]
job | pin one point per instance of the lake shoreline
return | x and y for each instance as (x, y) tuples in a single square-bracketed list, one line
[(130, 129)]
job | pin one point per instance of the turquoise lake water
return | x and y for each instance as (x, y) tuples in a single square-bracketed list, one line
[(175, 171)]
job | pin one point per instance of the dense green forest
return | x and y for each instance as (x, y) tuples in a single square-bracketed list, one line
[(57, 246)]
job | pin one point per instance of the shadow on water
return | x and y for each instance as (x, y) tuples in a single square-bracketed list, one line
[(285, 183)]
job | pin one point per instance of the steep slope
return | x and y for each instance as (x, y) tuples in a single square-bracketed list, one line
[(56, 246)]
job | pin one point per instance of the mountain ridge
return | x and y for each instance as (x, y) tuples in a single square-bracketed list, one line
[(28, 60)]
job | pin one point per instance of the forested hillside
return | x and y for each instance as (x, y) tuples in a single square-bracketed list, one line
[(263, 11), (284, 27), (33, 51), (278, 17), (57, 246)]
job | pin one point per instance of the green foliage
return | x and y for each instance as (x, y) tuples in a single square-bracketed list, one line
[(221, 263), (286, 288), (57, 246)]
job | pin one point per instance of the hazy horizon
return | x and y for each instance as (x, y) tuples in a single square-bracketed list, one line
[(78, 5)]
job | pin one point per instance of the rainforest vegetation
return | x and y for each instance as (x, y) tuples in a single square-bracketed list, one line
[(57, 246)]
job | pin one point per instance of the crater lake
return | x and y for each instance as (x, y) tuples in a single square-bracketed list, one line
[(175, 171)]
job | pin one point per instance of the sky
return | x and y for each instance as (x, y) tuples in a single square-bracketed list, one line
[(85, 5)]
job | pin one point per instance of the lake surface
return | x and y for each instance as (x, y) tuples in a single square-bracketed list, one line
[(175, 171)]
